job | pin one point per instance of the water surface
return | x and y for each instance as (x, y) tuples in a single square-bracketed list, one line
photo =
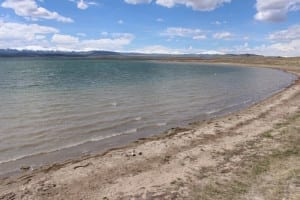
[(54, 109)]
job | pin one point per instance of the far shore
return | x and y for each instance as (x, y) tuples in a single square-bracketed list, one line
[(250, 154)]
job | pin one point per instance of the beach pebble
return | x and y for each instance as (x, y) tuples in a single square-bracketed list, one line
[(133, 153), (25, 168)]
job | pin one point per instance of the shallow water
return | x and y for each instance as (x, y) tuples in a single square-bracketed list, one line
[(55, 109)]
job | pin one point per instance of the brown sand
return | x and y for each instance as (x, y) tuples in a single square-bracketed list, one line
[(252, 154)]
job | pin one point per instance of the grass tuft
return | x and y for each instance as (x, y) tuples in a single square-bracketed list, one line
[(268, 134)]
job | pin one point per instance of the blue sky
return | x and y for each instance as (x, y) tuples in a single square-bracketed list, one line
[(267, 27)]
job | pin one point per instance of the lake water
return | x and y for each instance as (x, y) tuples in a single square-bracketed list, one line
[(55, 109)]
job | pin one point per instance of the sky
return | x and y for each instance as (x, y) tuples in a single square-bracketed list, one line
[(265, 27)]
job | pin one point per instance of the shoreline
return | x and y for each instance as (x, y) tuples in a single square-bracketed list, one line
[(36, 161), (15, 167), (157, 150)]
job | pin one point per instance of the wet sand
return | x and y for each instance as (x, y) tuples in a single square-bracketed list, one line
[(250, 154)]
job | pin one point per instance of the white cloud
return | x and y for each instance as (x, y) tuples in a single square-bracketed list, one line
[(275, 10), (277, 49), (30, 10), (219, 22), (111, 42), (137, 1), (36, 37), (64, 39), (104, 33), (160, 20), (195, 34), (83, 4), (203, 5), (285, 42), (199, 37), (19, 35), (81, 34), (223, 35), (23, 32), (211, 52), (159, 49), (292, 33), (281, 43), (288, 49)]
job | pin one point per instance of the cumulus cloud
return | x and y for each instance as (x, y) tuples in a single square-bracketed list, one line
[(275, 10), (64, 39), (291, 48), (81, 34), (111, 42), (24, 32), (287, 49), (292, 33), (83, 4), (279, 43), (223, 35), (30, 10), (137, 1), (219, 22), (36, 37), (160, 20), (19, 35), (159, 49), (206, 5), (286, 42), (195, 34)]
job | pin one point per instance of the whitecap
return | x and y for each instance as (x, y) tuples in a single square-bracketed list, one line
[(134, 130), (115, 104), (138, 118), (161, 124)]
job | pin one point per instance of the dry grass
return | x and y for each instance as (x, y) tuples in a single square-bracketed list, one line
[(247, 177)]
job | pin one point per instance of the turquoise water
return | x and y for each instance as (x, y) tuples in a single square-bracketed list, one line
[(55, 109)]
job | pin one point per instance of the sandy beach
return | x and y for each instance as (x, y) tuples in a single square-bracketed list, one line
[(251, 154)]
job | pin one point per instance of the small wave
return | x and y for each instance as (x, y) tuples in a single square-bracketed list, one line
[(134, 130), (34, 85), (213, 111), (114, 104), (247, 101), (138, 118), (225, 108), (102, 138), (161, 124), (93, 127), (97, 139)]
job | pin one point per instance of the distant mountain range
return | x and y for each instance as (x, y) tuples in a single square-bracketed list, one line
[(102, 54), (30, 53)]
